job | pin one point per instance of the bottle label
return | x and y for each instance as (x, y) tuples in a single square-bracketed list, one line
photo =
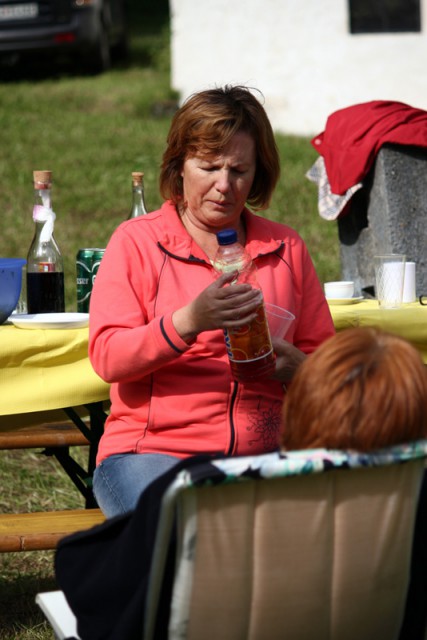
[(251, 341), (45, 267)]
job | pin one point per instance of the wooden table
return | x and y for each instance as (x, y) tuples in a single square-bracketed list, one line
[(46, 379)]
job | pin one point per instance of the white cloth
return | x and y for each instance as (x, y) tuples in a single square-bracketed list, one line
[(43, 214), (330, 205)]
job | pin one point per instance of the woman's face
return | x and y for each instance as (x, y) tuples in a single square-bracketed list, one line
[(216, 188)]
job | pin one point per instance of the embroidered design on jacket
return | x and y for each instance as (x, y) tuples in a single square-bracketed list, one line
[(265, 424)]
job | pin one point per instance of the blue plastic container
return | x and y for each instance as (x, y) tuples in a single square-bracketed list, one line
[(10, 285)]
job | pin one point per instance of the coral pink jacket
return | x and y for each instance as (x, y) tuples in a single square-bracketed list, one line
[(171, 397), (354, 135)]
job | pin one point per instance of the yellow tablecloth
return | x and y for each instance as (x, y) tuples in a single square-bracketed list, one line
[(410, 321), (45, 369)]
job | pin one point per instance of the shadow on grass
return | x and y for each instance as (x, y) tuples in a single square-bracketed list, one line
[(144, 52), (20, 617), (22, 576)]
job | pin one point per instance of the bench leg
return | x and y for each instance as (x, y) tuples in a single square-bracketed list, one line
[(80, 478), (83, 479)]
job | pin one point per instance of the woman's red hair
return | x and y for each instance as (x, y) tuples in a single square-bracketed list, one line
[(363, 389), (205, 124)]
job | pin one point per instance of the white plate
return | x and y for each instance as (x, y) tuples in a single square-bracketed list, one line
[(50, 320), (345, 300)]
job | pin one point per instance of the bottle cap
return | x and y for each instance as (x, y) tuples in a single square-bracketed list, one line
[(42, 179), (228, 236), (137, 177)]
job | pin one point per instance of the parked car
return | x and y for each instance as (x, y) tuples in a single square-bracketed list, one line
[(90, 29)]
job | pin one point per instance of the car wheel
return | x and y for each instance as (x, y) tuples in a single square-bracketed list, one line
[(120, 51), (100, 56)]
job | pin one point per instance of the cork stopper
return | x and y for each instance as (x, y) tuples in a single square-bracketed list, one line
[(42, 179), (137, 177)]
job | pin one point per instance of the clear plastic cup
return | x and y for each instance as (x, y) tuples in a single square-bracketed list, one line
[(279, 320), (389, 279)]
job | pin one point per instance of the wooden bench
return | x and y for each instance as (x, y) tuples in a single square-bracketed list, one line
[(43, 530), (56, 434), (55, 438)]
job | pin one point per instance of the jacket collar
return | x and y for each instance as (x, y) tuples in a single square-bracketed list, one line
[(177, 241)]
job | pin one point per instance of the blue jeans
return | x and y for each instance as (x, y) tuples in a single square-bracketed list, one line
[(119, 480)]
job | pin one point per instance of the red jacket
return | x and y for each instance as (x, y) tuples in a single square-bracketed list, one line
[(171, 397), (354, 135)]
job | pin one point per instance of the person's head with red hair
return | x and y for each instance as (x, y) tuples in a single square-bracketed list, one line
[(362, 389)]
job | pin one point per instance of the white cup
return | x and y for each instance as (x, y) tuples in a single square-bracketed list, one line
[(339, 290), (389, 278), (409, 293)]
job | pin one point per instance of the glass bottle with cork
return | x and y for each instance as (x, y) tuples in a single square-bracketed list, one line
[(249, 347), (45, 269), (138, 201)]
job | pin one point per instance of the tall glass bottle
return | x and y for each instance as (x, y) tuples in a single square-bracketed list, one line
[(138, 201), (249, 347), (45, 269)]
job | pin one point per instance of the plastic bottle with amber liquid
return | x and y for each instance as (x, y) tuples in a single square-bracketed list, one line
[(249, 347), (45, 269), (138, 200)]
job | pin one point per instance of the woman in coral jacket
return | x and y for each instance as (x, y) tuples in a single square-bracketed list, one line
[(158, 308)]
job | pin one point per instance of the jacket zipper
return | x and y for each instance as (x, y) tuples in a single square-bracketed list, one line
[(232, 428)]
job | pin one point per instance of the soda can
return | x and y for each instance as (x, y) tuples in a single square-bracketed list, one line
[(84, 260), (96, 261), (87, 264)]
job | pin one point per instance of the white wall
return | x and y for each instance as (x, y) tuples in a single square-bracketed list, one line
[(299, 53)]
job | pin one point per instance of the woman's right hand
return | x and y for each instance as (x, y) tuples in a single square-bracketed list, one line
[(221, 305)]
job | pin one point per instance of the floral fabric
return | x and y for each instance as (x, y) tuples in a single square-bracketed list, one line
[(291, 463)]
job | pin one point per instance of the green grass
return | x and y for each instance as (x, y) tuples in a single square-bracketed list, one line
[(30, 482), (92, 132)]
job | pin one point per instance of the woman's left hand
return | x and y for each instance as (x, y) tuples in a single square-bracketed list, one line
[(288, 359)]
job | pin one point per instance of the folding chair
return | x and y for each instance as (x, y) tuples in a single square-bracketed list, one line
[(314, 544), (62, 620)]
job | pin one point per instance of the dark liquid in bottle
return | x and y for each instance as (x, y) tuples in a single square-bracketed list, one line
[(45, 292)]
